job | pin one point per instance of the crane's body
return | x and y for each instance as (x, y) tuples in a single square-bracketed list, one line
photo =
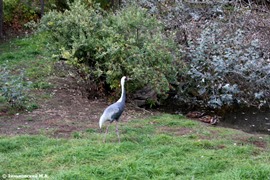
[(111, 113), (115, 110)]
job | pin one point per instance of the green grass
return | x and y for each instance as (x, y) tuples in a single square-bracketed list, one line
[(147, 151), (29, 54)]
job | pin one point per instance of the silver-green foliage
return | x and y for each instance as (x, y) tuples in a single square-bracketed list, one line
[(127, 42), (13, 88), (224, 70)]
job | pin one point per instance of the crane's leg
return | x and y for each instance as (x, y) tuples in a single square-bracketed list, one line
[(117, 132), (106, 132)]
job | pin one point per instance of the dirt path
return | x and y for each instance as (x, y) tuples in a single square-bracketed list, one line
[(65, 112)]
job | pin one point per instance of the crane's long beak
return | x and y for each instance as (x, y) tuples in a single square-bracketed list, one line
[(128, 78)]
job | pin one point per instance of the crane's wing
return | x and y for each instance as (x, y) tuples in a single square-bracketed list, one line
[(110, 113)]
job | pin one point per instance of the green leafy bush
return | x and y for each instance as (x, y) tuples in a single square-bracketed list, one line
[(72, 28), (134, 45), (19, 12), (108, 46), (225, 70)]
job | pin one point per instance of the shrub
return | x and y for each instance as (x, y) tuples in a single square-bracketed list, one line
[(224, 69), (134, 45), (108, 46), (66, 29), (226, 48), (13, 88), (17, 13)]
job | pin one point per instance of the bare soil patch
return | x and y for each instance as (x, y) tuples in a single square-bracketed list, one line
[(256, 140)]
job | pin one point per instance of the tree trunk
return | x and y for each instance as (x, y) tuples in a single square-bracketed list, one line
[(115, 4), (1, 18), (41, 7)]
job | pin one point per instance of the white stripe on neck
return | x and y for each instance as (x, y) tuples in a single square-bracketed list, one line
[(123, 89)]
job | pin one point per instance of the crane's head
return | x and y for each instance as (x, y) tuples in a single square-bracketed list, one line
[(124, 79)]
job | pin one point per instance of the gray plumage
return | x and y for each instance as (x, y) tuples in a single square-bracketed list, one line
[(115, 110)]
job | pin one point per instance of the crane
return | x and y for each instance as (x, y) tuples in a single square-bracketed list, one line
[(115, 110)]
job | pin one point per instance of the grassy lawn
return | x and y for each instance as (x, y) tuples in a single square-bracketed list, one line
[(162, 147), (29, 55)]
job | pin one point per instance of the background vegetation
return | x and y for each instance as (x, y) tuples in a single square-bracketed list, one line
[(157, 43), (16, 13), (109, 46), (24, 70)]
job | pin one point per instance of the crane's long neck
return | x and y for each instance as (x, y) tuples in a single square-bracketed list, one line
[(123, 94)]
